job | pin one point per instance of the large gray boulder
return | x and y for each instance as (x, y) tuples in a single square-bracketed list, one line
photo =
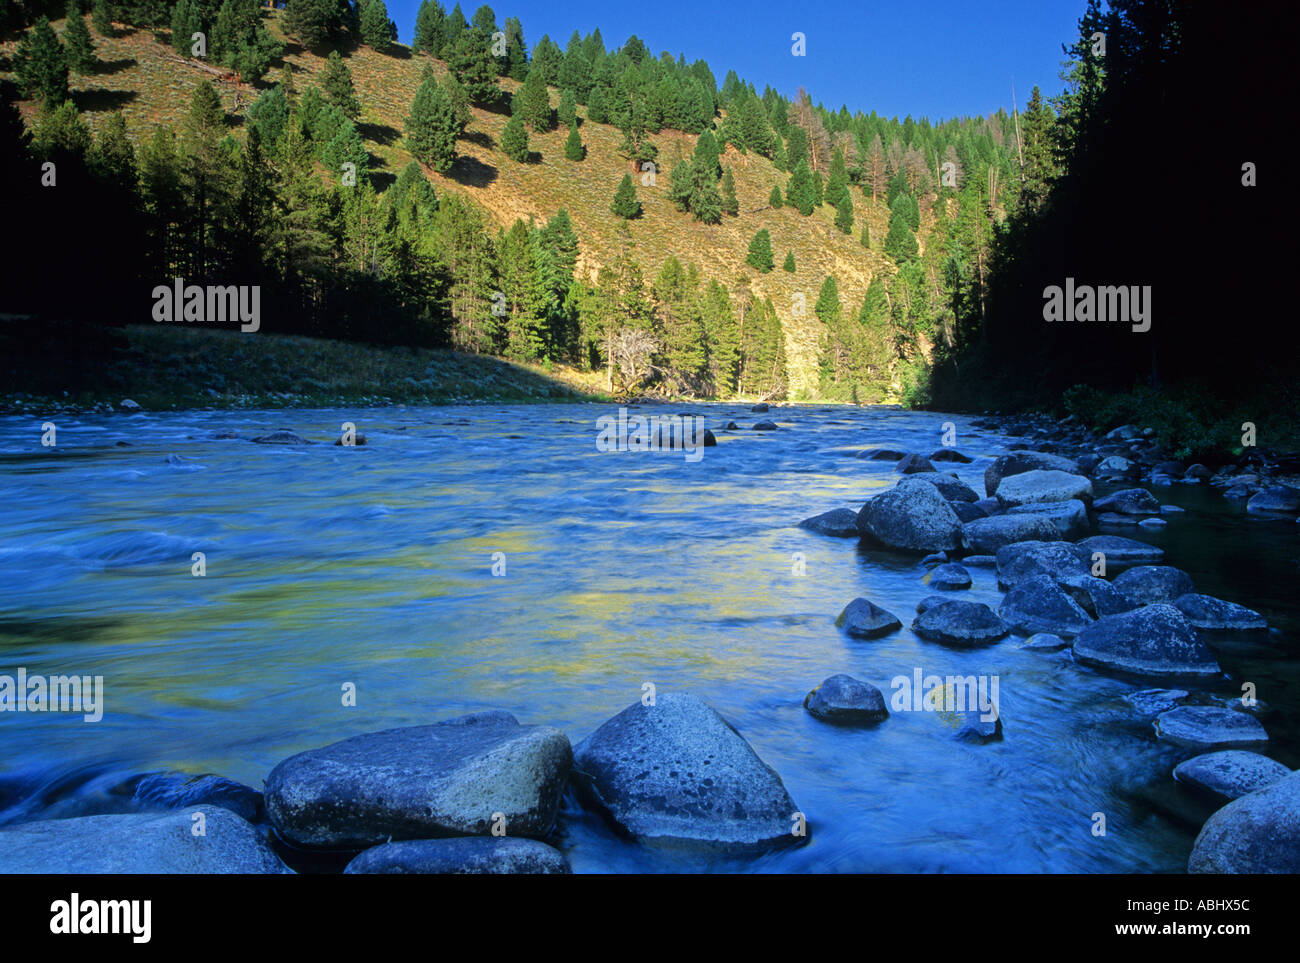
[(1275, 500), (1038, 604), (1034, 487), (1019, 462), (1230, 773), (1216, 615), (1070, 518), (1149, 584), (1130, 501), (949, 576), (912, 516), (135, 843), (838, 522), (676, 774), (866, 620), (951, 487), (959, 623), (1024, 560), (480, 855), (1151, 641), (1096, 596), (419, 782), (845, 700), (1120, 550), (984, 536), (1209, 727), (1258, 833)]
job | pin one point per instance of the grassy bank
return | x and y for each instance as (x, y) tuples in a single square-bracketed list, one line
[(68, 365)]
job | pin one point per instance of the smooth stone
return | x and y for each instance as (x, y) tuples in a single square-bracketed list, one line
[(1275, 500), (139, 843), (1171, 510), (183, 790), (1045, 642), (1110, 518), (1198, 473), (1209, 727), (951, 487), (938, 558), (1211, 614), (1258, 833), (866, 620), (1070, 518), (1018, 462), (759, 409), (1130, 501), (1231, 773), (1033, 487), (1096, 596), (126, 404), (960, 624), (1152, 641), (1152, 523), (986, 535), (844, 699), (1038, 604), (764, 426), (980, 561), (1149, 584), (676, 774), (913, 463), (950, 454), (1126, 551), (882, 454), (357, 440), (479, 855), (1123, 433), (1026, 559), (949, 576), (421, 782), (913, 516), (1116, 466), (839, 522), (281, 438), (975, 728), (966, 511), (930, 601), (710, 439), (1152, 702)]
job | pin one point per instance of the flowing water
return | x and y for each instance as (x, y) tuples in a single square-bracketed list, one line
[(374, 566)]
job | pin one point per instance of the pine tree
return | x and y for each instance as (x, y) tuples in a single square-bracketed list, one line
[(788, 265), (112, 159), (573, 148), (514, 138), (838, 184), (185, 23), (375, 25), (241, 42), (730, 204), (432, 127), (41, 65), (269, 114), (900, 242), (706, 155), (336, 83), (429, 21), (799, 193), (625, 203), (312, 21), (760, 252), (533, 103), (80, 50), (101, 18), (470, 59), (866, 236), (567, 113), (516, 65), (774, 198), (844, 213), (819, 196)]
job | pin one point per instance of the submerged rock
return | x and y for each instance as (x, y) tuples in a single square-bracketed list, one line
[(1045, 642), (1258, 833), (764, 426), (1151, 641), (911, 464), (866, 620), (446, 779), (960, 623), (882, 454), (281, 438), (1230, 773), (950, 454), (949, 576), (839, 522), (464, 855), (913, 516), (1038, 604), (1209, 727), (844, 699), (1210, 614), (136, 843), (1152, 702), (1149, 584), (677, 774)]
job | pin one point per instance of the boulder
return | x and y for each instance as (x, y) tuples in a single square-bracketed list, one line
[(1096, 596), (949, 576), (965, 511), (1116, 466), (959, 623), (882, 454), (1120, 550), (986, 535), (1151, 641), (1275, 500), (1070, 517), (676, 774), (950, 486), (839, 522), (419, 782), (1258, 833), (281, 438), (911, 464), (1130, 501), (930, 601), (1148, 584), (1038, 604), (710, 439), (1032, 487), (865, 620), (1215, 615), (1023, 560), (136, 843), (844, 699), (1209, 727), (1197, 473), (950, 454), (913, 516), (1018, 462), (759, 409), (126, 404), (480, 855), (1230, 773), (980, 561), (1045, 642), (1152, 702), (182, 790), (764, 426)]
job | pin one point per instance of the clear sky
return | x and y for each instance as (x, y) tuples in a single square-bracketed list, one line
[(931, 58)]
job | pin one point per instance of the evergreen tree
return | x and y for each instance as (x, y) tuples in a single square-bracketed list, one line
[(429, 21), (185, 24), (41, 65), (819, 197), (269, 114), (241, 42), (470, 59), (866, 236), (101, 18), (844, 213), (760, 252), (514, 138), (533, 103), (693, 188), (573, 148), (336, 83), (799, 193), (838, 184), (432, 127), (730, 203), (625, 203), (774, 198), (900, 242), (706, 155), (79, 48), (112, 159), (516, 66), (567, 113), (779, 159), (314, 22), (375, 29), (788, 264)]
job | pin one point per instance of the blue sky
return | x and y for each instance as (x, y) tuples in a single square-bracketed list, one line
[(939, 58)]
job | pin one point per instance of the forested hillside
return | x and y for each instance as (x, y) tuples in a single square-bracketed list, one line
[(590, 205)]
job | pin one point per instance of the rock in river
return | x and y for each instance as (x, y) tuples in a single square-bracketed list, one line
[(1024, 560), (951, 487), (913, 516), (960, 623), (986, 535), (865, 620), (1148, 584), (840, 522), (1275, 500), (1096, 596), (463, 855), (139, 843), (911, 464), (1034, 487), (1151, 641), (949, 576), (282, 437), (1258, 833), (844, 699), (677, 774), (1120, 550), (446, 779), (1230, 773), (1070, 517), (1209, 727), (1018, 462), (1215, 615), (1038, 604), (1130, 501)]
